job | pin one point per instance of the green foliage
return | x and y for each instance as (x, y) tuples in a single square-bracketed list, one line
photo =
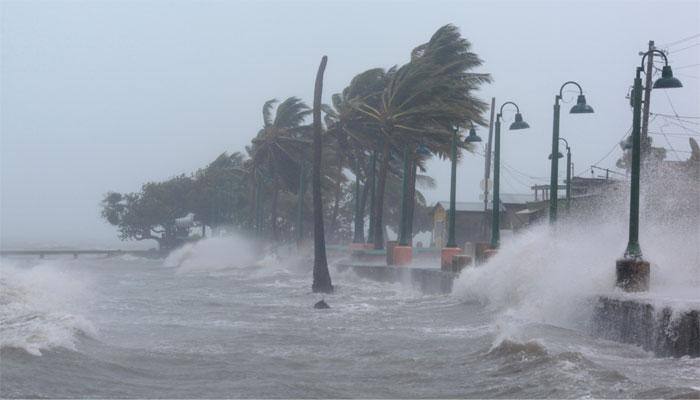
[(420, 103)]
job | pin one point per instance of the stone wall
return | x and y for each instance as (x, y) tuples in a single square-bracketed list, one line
[(656, 329), (429, 281)]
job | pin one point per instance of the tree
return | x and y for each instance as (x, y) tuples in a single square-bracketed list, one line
[(322, 278), (422, 103), (220, 192), (151, 213), (278, 148)]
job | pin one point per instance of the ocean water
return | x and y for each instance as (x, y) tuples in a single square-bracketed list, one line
[(217, 320)]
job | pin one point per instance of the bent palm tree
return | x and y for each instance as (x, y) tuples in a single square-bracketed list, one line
[(322, 278), (278, 147), (423, 102)]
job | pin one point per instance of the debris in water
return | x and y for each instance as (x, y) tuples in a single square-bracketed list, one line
[(321, 305)]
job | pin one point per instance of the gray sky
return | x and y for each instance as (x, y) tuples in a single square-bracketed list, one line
[(99, 96)]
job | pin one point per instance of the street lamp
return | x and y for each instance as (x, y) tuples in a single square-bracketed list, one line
[(451, 249), (451, 242), (516, 125), (632, 272), (568, 171), (580, 108)]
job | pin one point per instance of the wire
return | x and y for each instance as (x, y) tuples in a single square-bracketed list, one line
[(680, 41), (684, 48), (674, 116), (686, 66)]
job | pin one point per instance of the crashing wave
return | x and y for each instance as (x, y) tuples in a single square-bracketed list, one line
[(37, 308)]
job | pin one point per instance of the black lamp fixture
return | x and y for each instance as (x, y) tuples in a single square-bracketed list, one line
[(473, 137), (519, 123), (581, 107), (559, 155)]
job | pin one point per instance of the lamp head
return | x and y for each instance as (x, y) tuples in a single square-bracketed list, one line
[(473, 137), (581, 107), (559, 155), (667, 81), (519, 123)]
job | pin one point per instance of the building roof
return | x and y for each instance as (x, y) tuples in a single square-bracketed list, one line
[(467, 206), (517, 198)]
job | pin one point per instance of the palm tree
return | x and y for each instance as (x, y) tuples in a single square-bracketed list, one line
[(344, 123), (422, 103), (277, 150), (322, 278)]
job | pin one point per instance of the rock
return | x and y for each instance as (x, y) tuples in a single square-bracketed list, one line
[(321, 305)]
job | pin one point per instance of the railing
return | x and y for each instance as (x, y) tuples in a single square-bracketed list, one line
[(76, 253)]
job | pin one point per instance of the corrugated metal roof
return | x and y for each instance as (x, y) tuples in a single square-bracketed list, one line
[(468, 206)]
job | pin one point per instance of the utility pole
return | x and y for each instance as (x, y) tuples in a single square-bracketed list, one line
[(647, 97), (487, 168)]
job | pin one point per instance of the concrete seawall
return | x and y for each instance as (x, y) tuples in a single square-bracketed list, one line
[(427, 280), (667, 329), (662, 329)]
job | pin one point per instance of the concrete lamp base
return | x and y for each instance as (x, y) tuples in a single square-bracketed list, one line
[(632, 275), (459, 262), (446, 257), (488, 253), (403, 255), (358, 246)]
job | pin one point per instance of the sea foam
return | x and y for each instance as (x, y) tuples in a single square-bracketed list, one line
[(39, 307)]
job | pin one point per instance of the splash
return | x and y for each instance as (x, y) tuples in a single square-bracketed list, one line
[(220, 253), (553, 274), (38, 307)]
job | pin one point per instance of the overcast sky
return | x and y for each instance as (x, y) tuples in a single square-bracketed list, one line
[(99, 96)]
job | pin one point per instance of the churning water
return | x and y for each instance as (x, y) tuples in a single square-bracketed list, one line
[(217, 320)]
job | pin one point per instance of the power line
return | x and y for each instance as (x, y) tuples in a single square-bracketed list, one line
[(684, 48), (687, 66), (680, 41), (674, 116)]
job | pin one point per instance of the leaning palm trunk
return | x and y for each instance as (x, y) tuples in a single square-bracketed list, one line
[(379, 199), (275, 196), (322, 278), (411, 202), (336, 198)]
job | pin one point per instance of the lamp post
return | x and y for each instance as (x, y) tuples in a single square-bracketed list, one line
[(451, 249), (580, 108), (496, 208), (632, 271), (568, 171), (451, 242)]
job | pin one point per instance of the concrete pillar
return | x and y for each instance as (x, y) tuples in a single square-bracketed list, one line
[(479, 249), (488, 253), (459, 261), (390, 244), (446, 256), (632, 275), (403, 255)]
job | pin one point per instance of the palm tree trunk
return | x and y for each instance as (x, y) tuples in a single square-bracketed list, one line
[(359, 231), (275, 196), (411, 202), (372, 182), (322, 278), (336, 198), (379, 199)]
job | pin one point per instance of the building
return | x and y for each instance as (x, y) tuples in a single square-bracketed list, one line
[(473, 225)]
